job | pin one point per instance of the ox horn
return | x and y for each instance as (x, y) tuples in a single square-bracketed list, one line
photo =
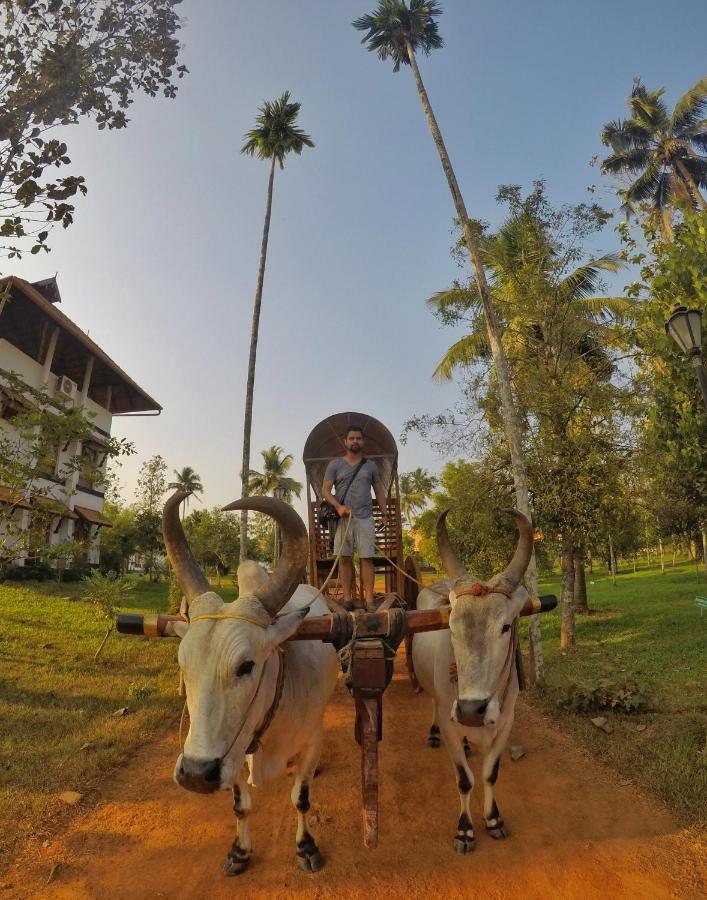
[(450, 560), (513, 574), (189, 575), (288, 573)]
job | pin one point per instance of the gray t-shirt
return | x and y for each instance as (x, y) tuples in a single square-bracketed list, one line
[(358, 497)]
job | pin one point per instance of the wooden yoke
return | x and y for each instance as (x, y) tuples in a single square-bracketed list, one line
[(334, 627)]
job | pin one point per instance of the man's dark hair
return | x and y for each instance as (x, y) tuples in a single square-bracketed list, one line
[(354, 428)]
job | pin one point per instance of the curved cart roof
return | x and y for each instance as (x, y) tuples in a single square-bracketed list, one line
[(325, 441)]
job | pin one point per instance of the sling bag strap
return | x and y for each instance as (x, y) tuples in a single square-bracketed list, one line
[(351, 481)]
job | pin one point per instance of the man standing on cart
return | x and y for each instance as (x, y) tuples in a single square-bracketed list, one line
[(352, 477)]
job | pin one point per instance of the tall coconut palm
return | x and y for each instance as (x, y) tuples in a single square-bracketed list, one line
[(275, 481), (415, 490), (275, 136), (397, 31), (188, 481), (661, 153)]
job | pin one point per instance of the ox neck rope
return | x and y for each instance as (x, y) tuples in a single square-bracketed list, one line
[(255, 741), (481, 590)]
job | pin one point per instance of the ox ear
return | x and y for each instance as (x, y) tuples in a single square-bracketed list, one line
[(285, 625)]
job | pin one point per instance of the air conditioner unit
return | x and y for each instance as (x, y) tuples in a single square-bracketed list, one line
[(66, 387)]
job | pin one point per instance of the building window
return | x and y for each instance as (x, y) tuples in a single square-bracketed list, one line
[(93, 458)]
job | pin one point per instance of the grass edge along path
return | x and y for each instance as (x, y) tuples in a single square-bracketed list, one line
[(61, 726), (646, 630)]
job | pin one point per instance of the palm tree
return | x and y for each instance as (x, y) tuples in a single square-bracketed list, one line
[(398, 31), (275, 481), (187, 481), (559, 333), (274, 136), (661, 153), (415, 490)]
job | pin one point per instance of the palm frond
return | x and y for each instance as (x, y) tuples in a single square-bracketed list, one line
[(622, 309), (454, 299), (648, 109), (644, 187), (624, 134), (275, 133), (690, 108), (631, 159), (584, 280), (466, 351), (394, 24)]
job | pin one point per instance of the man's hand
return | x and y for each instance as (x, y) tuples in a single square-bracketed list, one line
[(343, 511)]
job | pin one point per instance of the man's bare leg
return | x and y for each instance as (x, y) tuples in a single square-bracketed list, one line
[(367, 577), (346, 572)]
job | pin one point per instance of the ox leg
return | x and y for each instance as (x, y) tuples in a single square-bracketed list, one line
[(309, 858), (433, 739), (489, 771), (464, 838), (239, 854)]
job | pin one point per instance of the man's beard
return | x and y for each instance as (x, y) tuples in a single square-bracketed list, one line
[(355, 448)]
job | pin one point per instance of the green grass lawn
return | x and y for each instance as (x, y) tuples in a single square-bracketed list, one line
[(648, 630), (56, 703)]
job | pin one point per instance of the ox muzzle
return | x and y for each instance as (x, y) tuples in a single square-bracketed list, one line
[(203, 776), (470, 713)]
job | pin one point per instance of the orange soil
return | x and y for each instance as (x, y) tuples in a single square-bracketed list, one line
[(575, 830)]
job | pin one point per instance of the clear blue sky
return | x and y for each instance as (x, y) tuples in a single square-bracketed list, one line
[(161, 262)]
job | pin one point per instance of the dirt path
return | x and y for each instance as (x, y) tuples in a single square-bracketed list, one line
[(575, 831)]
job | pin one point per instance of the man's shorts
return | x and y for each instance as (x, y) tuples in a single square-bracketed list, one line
[(361, 538)]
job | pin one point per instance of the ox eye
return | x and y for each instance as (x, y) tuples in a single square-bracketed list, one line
[(245, 668), (505, 628)]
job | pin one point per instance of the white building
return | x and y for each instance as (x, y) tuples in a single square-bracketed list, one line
[(51, 353)]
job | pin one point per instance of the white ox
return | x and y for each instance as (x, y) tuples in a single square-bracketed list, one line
[(248, 693), (476, 703)]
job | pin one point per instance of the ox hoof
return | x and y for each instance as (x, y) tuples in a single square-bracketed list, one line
[(464, 844), (236, 863), (498, 832), (310, 862)]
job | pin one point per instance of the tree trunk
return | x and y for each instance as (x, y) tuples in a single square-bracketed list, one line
[(703, 530), (500, 361), (690, 184), (634, 563), (612, 560), (590, 560), (248, 414), (567, 596), (103, 642), (666, 225), (675, 551), (580, 583), (662, 556)]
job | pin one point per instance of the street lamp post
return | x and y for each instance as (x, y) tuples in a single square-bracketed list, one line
[(685, 327)]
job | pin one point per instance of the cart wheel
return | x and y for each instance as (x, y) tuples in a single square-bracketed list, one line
[(411, 590)]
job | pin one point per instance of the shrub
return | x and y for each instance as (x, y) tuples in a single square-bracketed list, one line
[(627, 697)]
